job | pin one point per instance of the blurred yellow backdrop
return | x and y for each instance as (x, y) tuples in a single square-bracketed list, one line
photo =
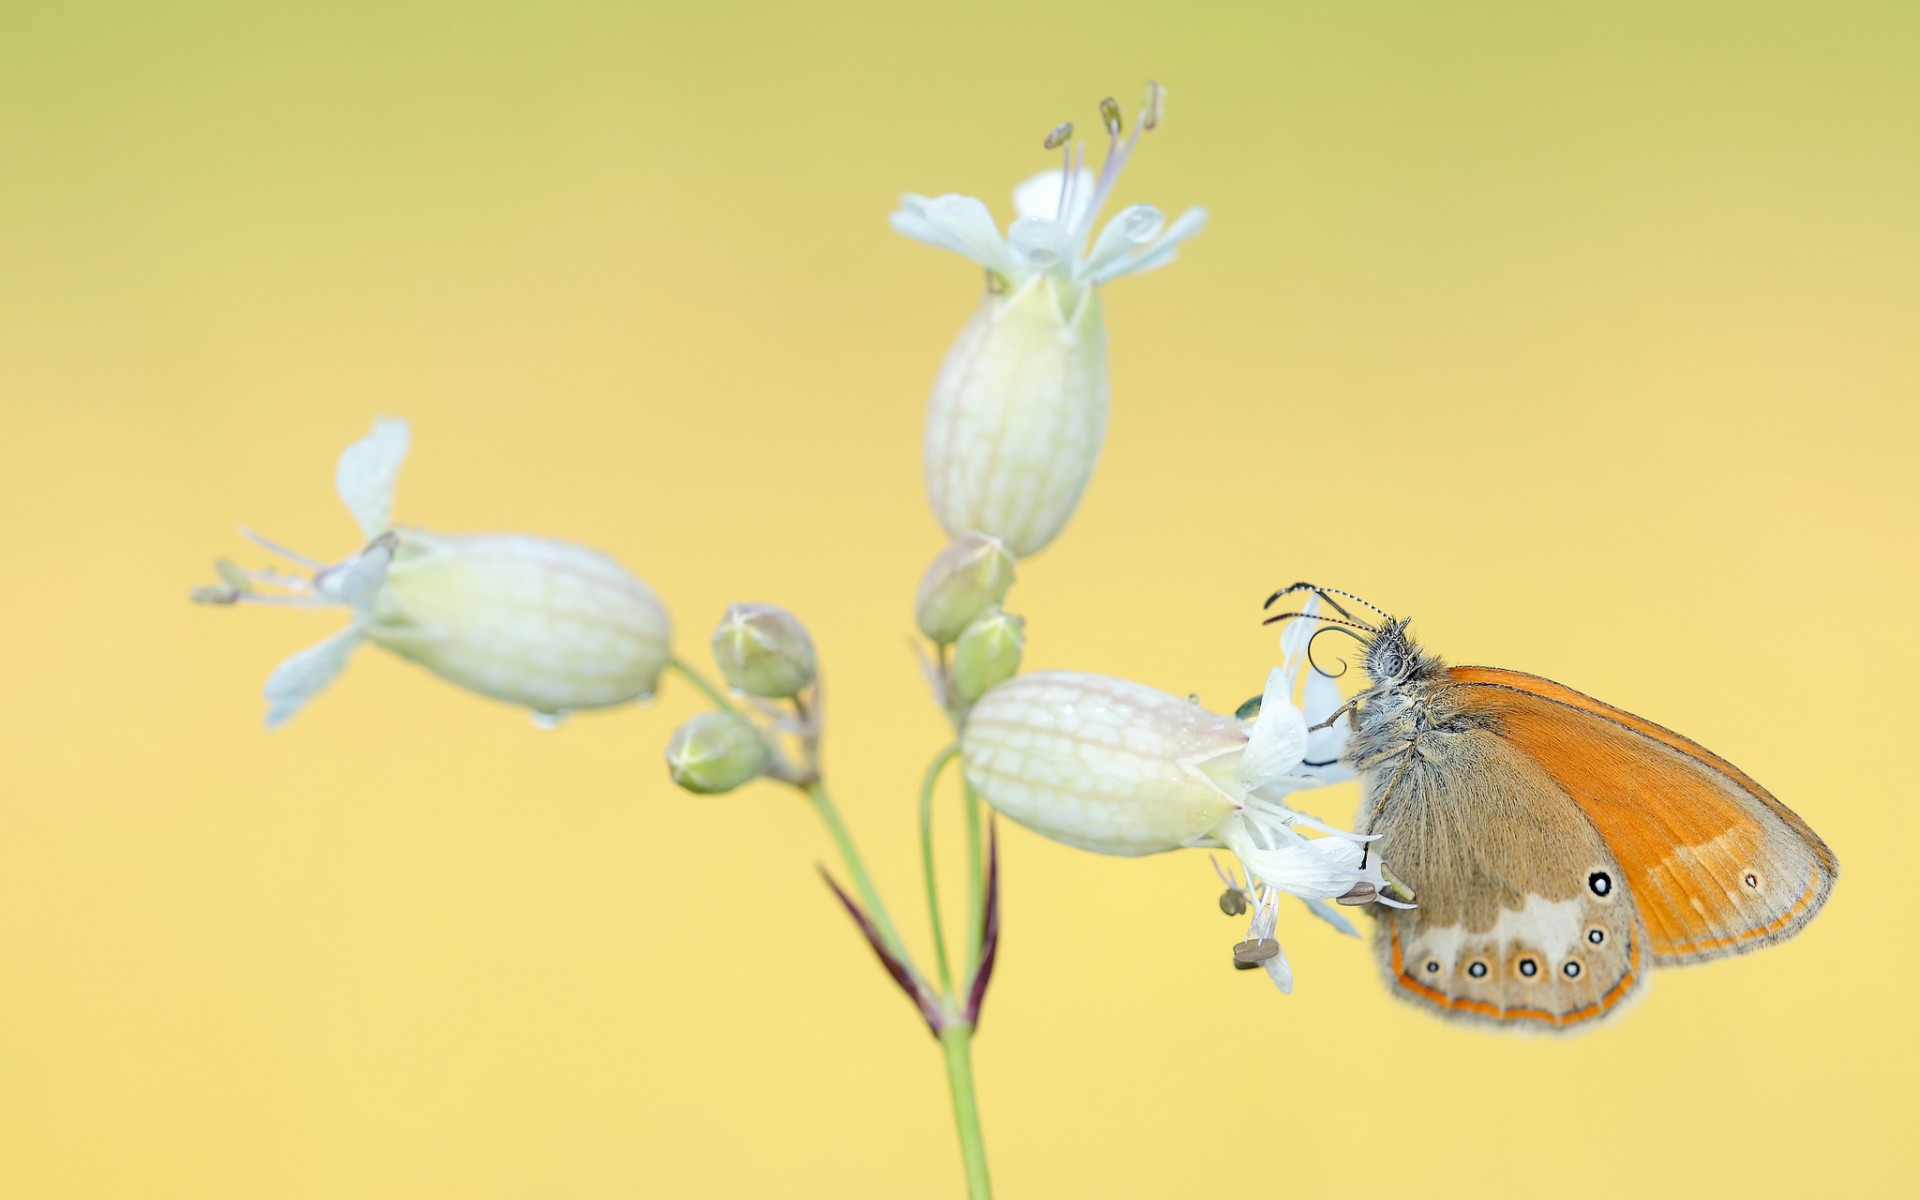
[(1584, 333)]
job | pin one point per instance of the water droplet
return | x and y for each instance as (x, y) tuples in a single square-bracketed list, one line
[(543, 719)]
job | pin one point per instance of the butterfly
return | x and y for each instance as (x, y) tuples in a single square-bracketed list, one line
[(1558, 849)]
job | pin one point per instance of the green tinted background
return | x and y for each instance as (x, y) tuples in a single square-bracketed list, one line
[(1582, 332)]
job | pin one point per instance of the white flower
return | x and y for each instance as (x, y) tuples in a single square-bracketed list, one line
[(1116, 767), (1019, 410), (528, 620)]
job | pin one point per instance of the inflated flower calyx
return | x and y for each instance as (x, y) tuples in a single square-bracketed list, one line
[(970, 576), (988, 653), (716, 752), (764, 651), (533, 621)]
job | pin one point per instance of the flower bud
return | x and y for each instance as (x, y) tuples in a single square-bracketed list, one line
[(763, 651), (971, 575), (988, 653), (1018, 415), (528, 620), (716, 752)]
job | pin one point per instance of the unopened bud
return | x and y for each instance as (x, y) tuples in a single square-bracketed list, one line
[(970, 576), (987, 653), (716, 752), (763, 650)]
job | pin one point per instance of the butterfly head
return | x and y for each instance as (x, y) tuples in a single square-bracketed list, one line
[(1392, 656)]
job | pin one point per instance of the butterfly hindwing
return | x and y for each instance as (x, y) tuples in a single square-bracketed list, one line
[(1523, 921)]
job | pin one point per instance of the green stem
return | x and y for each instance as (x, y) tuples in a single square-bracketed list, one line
[(926, 863), (712, 693), (956, 1040), (876, 911)]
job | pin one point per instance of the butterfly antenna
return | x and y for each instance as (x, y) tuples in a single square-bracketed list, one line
[(1327, 594), (1333, 622)]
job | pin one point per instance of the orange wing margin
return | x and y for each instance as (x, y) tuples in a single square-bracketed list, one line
[(1714, 863)]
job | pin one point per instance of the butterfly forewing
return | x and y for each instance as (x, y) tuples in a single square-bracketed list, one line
[(1714, 863)]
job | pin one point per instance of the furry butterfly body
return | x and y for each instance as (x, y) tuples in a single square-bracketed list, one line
[(1560, 849)]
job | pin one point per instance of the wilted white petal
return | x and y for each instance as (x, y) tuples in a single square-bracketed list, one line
[(306, 674), (1279, 738), (367, 471), (1130, 229), (1040, 195), (1161, 252)]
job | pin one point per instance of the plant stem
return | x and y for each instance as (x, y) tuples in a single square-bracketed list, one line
[(876, 911), (956, 1040), (926, 864), (712, 693)]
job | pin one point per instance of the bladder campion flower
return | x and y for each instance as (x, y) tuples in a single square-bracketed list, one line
[(1019, 410), (1117, 767), (528, 620)]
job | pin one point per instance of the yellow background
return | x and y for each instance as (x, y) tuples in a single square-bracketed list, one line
[(1583, 332)]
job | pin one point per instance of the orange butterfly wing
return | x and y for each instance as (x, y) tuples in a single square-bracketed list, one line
[(1713, 862)]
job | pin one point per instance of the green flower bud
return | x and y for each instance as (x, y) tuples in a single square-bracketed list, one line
[(764, 651), (716, 752), (987, 653), (970, 576)]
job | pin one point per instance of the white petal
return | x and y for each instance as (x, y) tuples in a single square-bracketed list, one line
[(961, 224), (1281, 972), (1161, 252), (306, 674), (1279, 738), (1330, 914), (1320, 867), (1130, 229), (367, 472), (1041, 242), (1040, 196)]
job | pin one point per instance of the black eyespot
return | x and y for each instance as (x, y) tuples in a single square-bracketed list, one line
[(1596, 936), (1477, 970), (1572, 969), (1600, 882), (1753, 881), (1432, 966), (1529, 968)]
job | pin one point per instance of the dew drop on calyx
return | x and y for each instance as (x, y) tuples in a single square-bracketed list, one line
[(548, 719)]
